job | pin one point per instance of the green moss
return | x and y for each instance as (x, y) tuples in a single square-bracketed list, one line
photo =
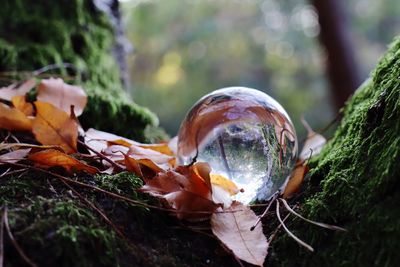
[(40, 33), (355, 181)]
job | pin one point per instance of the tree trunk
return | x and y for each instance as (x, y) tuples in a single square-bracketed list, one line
[(342, 68), (355, 182)]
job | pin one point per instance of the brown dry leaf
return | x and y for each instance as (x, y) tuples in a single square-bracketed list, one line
[(13, 119), (233, 229), (52, 126), (295, 180), (62, 95), (136, 165), (20, 103), (313, 144), (185, 190), (51, 158), (17, 89), (14, 156)]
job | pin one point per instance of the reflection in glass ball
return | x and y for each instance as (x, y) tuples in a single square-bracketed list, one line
[(245, 135)]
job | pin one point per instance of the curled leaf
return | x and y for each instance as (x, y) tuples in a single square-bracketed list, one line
[(53, 126), (295, 180), (186, 189), (232, 227), (52, 158)]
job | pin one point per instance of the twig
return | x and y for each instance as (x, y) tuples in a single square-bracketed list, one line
[(8, 172), (100, 212), (14, 242), (264, 213), (114, 164), (272, 237), (298, 240), (323, 225)]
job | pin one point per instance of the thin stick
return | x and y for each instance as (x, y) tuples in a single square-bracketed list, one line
[(264, 213), (323, 225), (14, 242), (298, 240), (114, 164), (2, 239), (272, 237)]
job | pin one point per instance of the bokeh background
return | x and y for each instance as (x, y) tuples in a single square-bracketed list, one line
[(184, 49)]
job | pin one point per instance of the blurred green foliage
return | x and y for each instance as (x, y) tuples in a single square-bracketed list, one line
[(185, 49)]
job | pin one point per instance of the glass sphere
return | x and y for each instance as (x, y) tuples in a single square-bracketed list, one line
[(245, 135)]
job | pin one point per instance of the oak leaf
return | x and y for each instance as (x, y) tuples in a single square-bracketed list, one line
[(232, 227), (62, 95), (13, 119), (52, 158), (53, 126), (17, 89)]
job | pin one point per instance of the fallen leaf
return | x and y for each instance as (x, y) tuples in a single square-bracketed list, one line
[(20, 103), (225, 183), (53, 126), (163, 160), (17, 89), (13, 119), (51, 158), (62, 95), (14, 156), (296, 179), (136, 166), (232, 227), (185, 190), (313, 144)]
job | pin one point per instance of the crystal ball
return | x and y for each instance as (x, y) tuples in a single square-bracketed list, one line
[(245, 135)]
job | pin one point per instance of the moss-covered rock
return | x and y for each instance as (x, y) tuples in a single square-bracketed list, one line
[(34, 34), (355, 182)]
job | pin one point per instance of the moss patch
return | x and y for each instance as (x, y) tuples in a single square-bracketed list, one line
[(40, 33), (355, 181)]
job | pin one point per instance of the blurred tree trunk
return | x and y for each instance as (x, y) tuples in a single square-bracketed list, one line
[(342, 68)]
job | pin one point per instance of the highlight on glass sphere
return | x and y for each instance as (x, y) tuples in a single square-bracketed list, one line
[(245, 135)]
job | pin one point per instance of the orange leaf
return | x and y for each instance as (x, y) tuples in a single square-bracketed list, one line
[(17, 89), (233, 229), (295, 180), (51, 158), (62, 95), (135, 166), (225, 183), (13, 119), (20, 104), (52, 126)]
